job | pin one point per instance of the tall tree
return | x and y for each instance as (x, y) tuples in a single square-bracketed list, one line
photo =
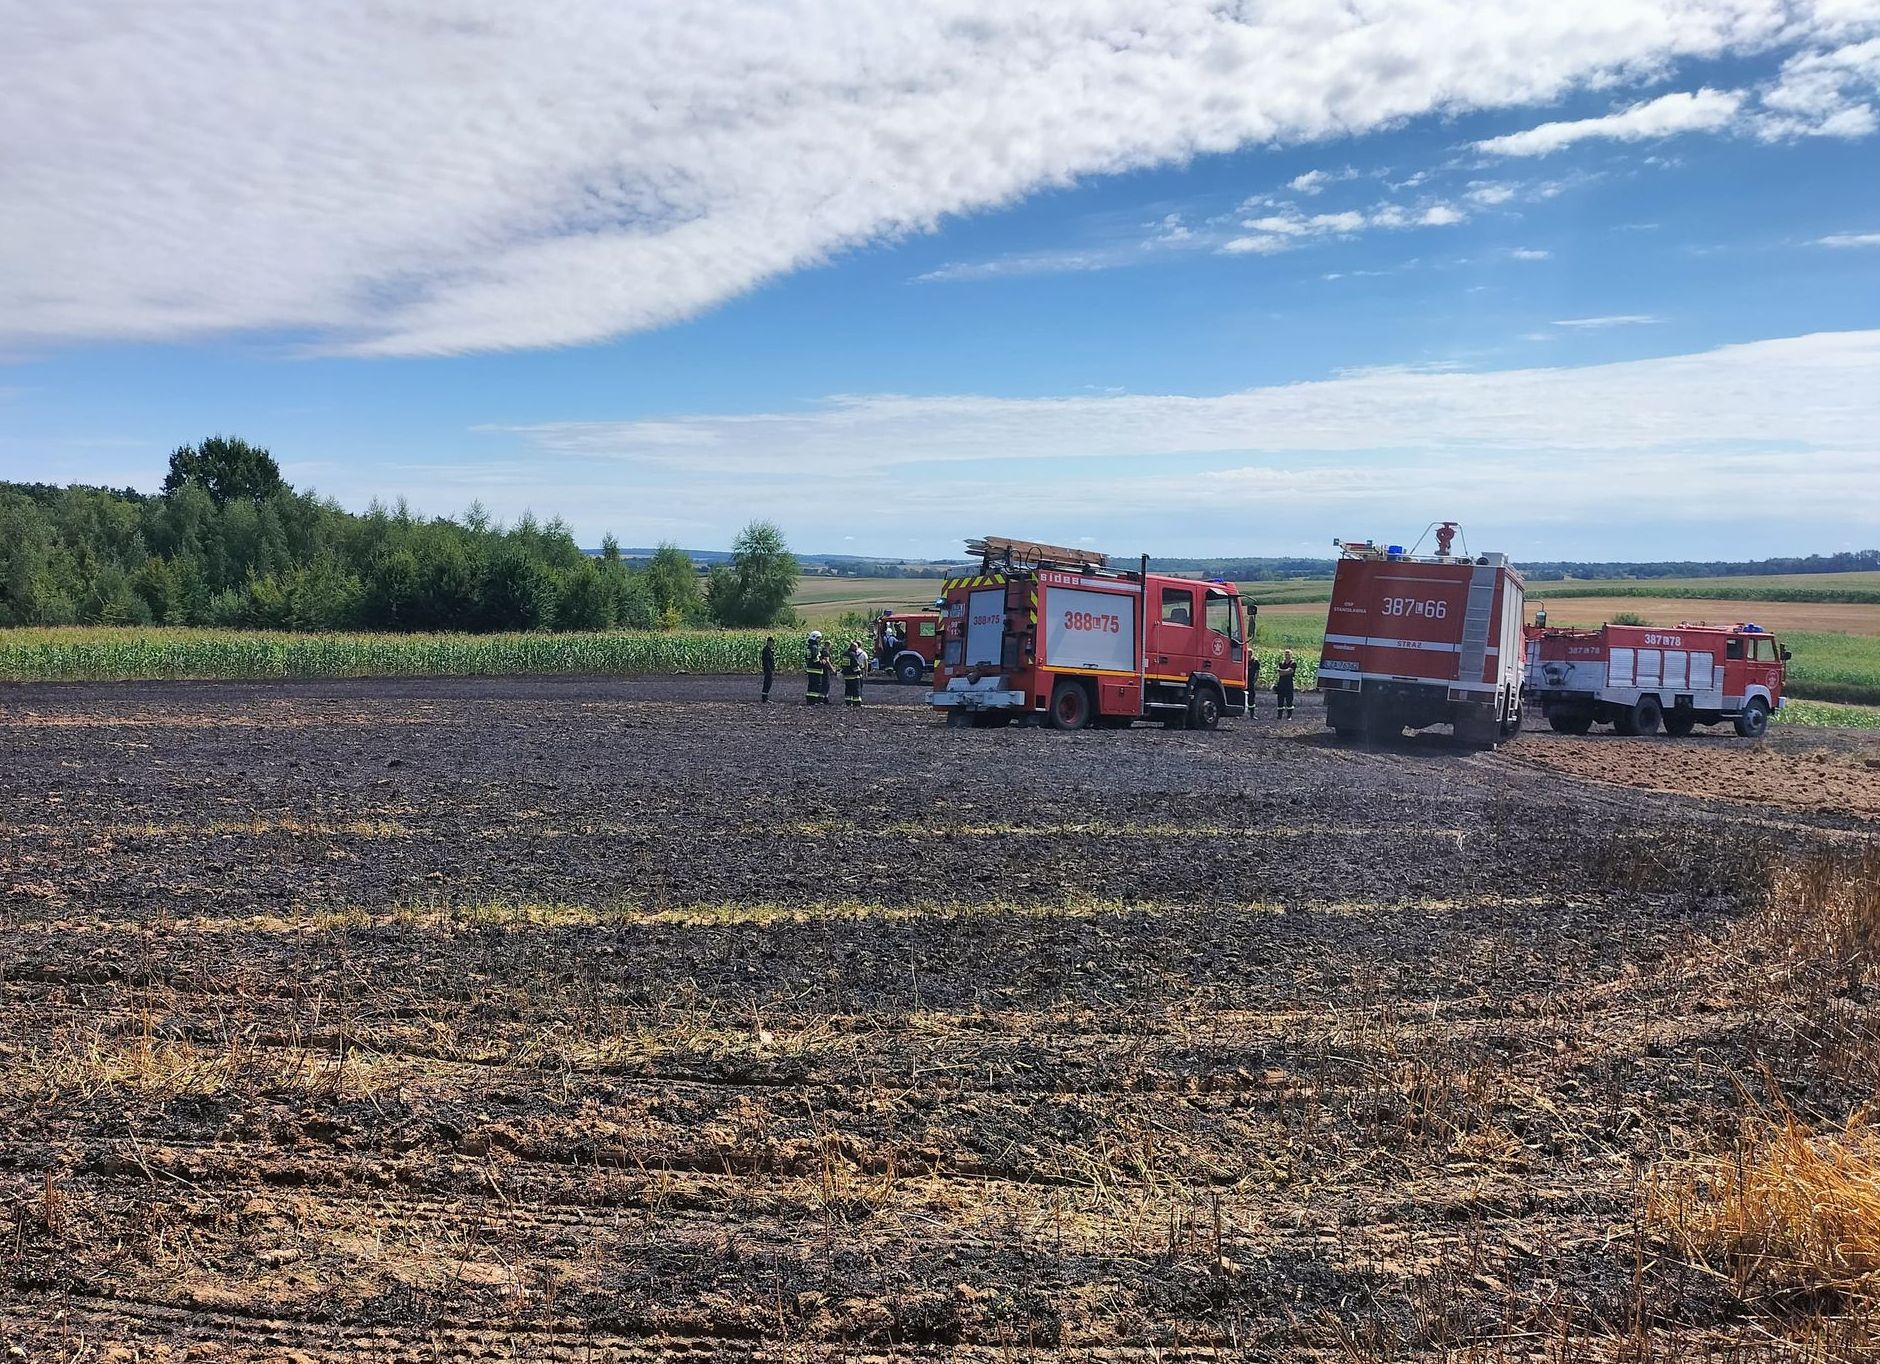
[(756, 588), (228, 468)]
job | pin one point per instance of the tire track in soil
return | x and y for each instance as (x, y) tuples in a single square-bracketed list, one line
[(1455, 1082)]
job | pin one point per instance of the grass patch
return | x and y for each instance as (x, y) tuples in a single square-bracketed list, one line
[(1788, 1210), (1823, 715)]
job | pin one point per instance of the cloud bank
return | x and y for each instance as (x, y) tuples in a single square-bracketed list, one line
[(430, 178), (1780, 433)]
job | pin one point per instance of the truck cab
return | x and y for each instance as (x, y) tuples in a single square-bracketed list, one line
[(917, 644)]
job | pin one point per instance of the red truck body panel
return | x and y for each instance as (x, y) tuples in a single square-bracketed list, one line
[(1421, 641)]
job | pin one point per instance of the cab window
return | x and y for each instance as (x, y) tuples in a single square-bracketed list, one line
[(1223, 619), (1178, 606), (1733, 648), (1765, 651)]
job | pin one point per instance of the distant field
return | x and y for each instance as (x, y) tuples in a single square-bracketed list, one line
[(1798, 587), (823, 599), (1781, 616)]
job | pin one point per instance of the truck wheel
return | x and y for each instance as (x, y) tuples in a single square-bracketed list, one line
[(1204, 710), (1570, 724), (908, 670), (1511, 723), (1345, 733), (959, 719), (1647, 715), (1754, 720), (1070, 706), (1622, 723), (1680, 721)]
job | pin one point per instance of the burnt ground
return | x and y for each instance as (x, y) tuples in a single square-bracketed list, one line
[(619, 1019)]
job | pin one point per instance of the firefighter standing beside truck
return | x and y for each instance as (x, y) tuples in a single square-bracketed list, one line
[(1283, 685), (768, 660)]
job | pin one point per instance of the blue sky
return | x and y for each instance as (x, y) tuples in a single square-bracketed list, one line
[(1154, 277)]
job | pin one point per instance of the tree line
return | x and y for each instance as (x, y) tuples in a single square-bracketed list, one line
[(228, 542)]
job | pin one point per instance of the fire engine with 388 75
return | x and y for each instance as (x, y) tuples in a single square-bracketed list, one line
[(1061, 636)]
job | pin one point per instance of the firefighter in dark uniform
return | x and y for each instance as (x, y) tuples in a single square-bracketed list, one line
[(815, 680), (854, 664), (769, 661), (1283, 683)]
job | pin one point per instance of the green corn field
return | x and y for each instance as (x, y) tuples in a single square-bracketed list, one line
[(110, 654)]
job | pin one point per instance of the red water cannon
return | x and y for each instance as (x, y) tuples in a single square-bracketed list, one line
[(1445, 536)]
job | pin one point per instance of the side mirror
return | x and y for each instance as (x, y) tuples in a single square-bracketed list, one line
[(1786, 655)]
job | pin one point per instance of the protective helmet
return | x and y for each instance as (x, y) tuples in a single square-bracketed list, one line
[(814, 635)]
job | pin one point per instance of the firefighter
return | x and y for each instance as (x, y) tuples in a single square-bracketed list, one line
[(854, 664), (769, 661), (816, 682), (1283, 684)]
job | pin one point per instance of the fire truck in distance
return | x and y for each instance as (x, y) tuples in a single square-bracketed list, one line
[(1413, 641), (1638, 678), (1061, 636), (918, 633)]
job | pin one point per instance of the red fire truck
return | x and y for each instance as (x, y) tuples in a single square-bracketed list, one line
[(1418, 640), (919, 636), (1058, 634), (1639, 677)]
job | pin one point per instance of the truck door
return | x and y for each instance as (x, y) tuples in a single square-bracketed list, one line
[(1224, 642), (1765, 667)]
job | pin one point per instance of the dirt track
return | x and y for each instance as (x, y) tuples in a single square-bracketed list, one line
[(623, 1019)]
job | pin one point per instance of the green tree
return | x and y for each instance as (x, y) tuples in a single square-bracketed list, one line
[(517, 593), (584, 600), (755, 588), (228, 468), (672, 581)]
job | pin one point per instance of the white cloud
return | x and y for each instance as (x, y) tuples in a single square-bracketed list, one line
[(1256, 246), (1529, 253), (1315, 181), (1281, 231), (1824, 94), (1849, 239), (1614, 320), (1703, 110), (1788, 427), (428, 178), (1490, 194)]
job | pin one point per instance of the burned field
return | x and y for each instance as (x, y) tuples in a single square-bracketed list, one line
[(613, 1019)]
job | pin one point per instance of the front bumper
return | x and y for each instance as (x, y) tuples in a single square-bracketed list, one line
[(989, 693)]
